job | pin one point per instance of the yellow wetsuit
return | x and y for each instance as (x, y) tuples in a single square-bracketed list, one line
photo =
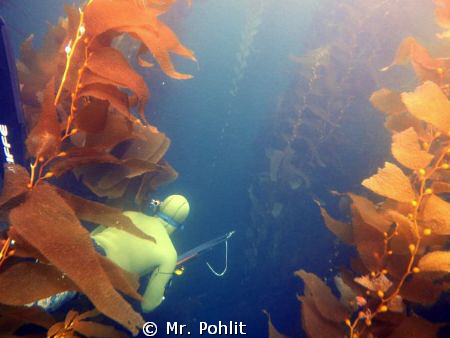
[(141, 256)]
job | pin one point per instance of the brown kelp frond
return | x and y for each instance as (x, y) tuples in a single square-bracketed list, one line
[(84, 108), (425, 66), (141, 158), (15, 183), (124, 281), (90, 100), (75, 324), (13, 317), (58, 235), (273, 332), (28, 282), (321, 311), (99, 213), (402, 241), (111, 67), (324, 301), (442, 14), (44, 139), (391, 182), (342, 230), (142, 23)]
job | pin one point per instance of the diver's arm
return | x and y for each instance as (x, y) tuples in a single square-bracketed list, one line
[(154, 292)]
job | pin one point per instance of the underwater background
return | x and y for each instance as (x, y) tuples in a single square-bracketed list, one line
[(276, 116)]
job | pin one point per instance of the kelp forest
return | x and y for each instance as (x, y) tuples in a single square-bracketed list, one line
[(348, 203), (77, 114), (396, 217)]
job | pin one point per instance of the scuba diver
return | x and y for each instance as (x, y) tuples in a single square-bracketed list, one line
[(133, 254), (141, 256)]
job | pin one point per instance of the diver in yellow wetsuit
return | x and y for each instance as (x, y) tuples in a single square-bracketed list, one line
[(141, 256)]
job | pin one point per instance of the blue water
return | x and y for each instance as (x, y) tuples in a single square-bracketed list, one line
[(219, 142)]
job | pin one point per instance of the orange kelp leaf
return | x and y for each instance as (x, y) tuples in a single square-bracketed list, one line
[(435, 215), (57, 233), (273, 332), (391, 182), (162, 5), (103, 15), (342, 230), (406, 232), (93, 329), (430, 104), (114, 174), (403, 52), (396, 264), (136, 167), (154, 40), (44, 139), (151, 146), (109, 64), (27, 314), (144, 189), (325, 302), (23, 248), (402, 121), (110, 177), (91, 117), (77, 157), (314, 324), (435, 261), (70, 316), (57, 329), (381, 282), (369, 214), (424, 65), (27, 55), (65, 328), (440, 187), (122, 280), (117, 98), (416, 327), (99, 213), (117, 129), (88, 314), (151, 181), (387, 101), (73, 20), (74, 323), (170, 41), (25, 282), (442, 13), (406, 149), (140, 60), (15, 182), (369, 242), (91, 176), (421, 289)]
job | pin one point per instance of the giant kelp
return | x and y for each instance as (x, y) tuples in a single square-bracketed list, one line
[(84, 107), (320, 137), (402, 241)]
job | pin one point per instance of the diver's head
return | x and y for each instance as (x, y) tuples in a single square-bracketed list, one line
[(173, 211)]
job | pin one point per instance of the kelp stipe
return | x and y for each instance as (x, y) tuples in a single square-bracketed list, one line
[(401, 242), (76, 115)]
